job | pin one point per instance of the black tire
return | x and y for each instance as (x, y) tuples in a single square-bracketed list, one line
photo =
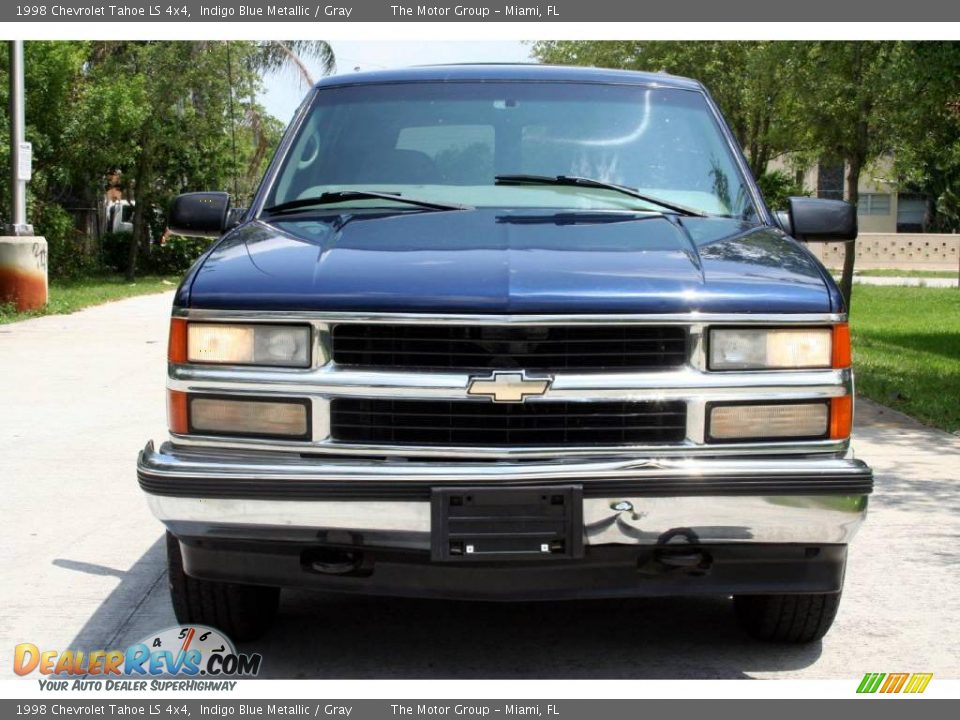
[(787, 618), (242, 612)]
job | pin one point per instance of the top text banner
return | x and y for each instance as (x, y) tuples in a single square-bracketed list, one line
[(578, 11)]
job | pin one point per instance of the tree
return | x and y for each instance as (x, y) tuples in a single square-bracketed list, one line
[(777, 187), (845, 97), (163, 117), (280, 55), (924, 126), (52, 72), (845, 94)]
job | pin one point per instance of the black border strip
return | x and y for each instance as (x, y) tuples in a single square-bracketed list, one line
[(860, 483)]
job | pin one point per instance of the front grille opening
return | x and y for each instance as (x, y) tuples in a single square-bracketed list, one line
[(482, 423), (531, 347)]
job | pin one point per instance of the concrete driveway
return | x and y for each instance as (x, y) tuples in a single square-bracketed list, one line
[(83, 565)]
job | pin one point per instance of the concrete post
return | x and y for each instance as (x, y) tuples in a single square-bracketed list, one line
[(23, 256)]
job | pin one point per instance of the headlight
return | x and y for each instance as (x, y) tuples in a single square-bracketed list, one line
[(765, 422), (771, 348), (261, 344)]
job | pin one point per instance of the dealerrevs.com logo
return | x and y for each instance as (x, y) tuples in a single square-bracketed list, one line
[(891, 683), (185, 652)]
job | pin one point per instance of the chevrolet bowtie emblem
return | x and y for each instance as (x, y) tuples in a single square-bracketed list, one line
[(508, 386)]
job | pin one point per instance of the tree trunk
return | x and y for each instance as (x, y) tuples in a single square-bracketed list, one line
[(142, 182), (850, 246), (930, 215)]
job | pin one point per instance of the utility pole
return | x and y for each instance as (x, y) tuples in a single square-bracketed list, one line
[(23, 256)]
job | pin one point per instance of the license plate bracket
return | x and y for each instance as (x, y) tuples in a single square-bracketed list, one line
[(496, 524)]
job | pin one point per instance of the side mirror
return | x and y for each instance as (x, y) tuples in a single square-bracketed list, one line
[(199, 214), (820, 219), (783, 220), (234, 217)]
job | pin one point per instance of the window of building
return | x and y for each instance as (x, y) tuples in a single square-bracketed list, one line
[(873, 204), (911, 209), (830, 181)]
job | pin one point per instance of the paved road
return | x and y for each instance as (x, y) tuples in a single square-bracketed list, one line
[(935, 282), (906, 281), (83, 565)]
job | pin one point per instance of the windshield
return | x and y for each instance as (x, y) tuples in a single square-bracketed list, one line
[(447, 142)]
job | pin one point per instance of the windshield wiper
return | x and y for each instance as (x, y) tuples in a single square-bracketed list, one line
[(573, 181), (329, 198)]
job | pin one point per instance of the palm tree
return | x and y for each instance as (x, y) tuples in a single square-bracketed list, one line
[(279, 55), (276, 56)]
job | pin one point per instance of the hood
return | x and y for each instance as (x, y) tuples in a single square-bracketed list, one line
[(509, 261)]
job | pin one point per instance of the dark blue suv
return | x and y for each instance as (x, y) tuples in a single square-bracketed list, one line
[(509, 332)]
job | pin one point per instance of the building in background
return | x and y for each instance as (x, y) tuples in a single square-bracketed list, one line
[(891, 220), (882, 207)]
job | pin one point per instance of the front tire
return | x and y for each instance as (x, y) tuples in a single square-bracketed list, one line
[(787, 618), (242, 612)]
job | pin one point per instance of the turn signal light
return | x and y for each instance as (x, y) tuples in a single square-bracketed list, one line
[(177, 343), (768, 422), (245, 417), (841, 346), (249, 417), (177, 419), (841, 417)]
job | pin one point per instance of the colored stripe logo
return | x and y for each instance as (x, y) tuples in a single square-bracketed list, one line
[(913, 683)]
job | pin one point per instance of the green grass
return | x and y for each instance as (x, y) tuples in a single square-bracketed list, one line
[(906, 350), (68, 297)]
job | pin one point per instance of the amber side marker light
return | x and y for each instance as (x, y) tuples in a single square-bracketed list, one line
[(177, 343), (841, 417), (841, 408), (177, 419), (841, 346)]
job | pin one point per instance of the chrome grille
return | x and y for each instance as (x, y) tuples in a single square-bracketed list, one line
[(530, 347), (482, 423)]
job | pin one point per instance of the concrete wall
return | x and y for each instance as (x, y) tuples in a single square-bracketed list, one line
[(900, 251)]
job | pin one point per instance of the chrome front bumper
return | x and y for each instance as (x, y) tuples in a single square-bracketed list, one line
[(277, 496)]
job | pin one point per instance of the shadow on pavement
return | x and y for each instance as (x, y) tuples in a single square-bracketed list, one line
[(329, 636), (88, 568), (321, 635), (122, 617), (915, 468)]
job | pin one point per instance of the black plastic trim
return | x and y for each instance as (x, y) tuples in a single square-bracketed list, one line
[(604, 571), (506, 524), (860, 483)]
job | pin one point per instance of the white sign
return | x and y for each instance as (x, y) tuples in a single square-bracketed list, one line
[(25, 164)]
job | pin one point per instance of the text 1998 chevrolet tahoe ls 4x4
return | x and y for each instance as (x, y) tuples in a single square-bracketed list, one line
[(509, 332)]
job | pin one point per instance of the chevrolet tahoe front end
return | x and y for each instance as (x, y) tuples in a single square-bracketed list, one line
[(432, 360)]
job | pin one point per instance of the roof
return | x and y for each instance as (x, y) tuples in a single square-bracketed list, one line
[(509, 72)]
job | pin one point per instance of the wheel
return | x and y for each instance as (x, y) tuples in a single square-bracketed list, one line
[(787, 618), (242, 612)]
